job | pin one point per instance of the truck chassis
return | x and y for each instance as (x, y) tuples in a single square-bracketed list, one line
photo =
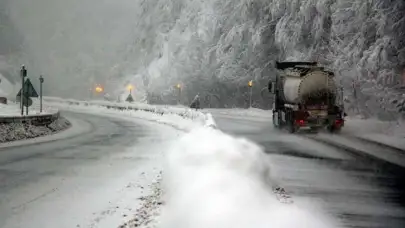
[(294, 120)]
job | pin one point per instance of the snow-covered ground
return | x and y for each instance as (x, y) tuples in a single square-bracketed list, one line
[(214, 180), (188, 121), (251, 113), (210, 179), (10, 132), (13, 109)]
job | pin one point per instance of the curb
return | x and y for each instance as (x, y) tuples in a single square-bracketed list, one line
[(37, 120)]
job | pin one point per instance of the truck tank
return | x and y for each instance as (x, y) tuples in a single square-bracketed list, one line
[(306, 84)]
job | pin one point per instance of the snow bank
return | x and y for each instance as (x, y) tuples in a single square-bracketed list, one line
[(13, 109), (253, 112), (246, 114), (10, 132), (214, 180), (19, 131), (173, 115)]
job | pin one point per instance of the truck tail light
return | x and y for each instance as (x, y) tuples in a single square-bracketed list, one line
[(300, 122)]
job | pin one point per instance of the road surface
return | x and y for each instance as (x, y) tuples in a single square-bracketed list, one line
[(77, 180), (358, 191)]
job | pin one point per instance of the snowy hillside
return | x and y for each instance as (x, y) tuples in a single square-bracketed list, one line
[(213, 47)]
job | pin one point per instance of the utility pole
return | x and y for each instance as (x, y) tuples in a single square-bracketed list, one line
[(23, 73), (41, 81)]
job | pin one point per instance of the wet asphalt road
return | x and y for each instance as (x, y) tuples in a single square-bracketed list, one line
[(356, 190), (58, 183)]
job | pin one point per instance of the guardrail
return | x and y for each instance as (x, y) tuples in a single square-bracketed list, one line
[(37, 120), (184, 112)]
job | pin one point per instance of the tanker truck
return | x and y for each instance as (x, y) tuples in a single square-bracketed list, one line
[(305, 96)]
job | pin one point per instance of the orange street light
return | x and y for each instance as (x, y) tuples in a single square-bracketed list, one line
[(250, 83), (99, 89), (130, 87)]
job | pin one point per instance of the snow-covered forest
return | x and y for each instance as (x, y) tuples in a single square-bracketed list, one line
[(214, 47)]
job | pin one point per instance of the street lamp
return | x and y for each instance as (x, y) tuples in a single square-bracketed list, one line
[(41, 81), (130, 87), (23, 74), (99, 89), (178, 86), (250, 84)]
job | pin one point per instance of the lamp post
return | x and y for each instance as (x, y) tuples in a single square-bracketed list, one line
[(23, 74), (41, 81), (178, 86), (130, 87), (250, 84)]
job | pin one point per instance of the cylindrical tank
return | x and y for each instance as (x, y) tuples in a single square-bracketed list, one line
[(314, 85)]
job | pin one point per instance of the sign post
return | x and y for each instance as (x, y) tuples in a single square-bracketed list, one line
[(29, 91), (41, 81), (23, 73)]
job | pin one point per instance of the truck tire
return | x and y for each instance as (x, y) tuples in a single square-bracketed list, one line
[(291, 127), (276, 121), (333, 129)]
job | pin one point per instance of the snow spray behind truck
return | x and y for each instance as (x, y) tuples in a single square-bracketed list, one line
[(305, 95)]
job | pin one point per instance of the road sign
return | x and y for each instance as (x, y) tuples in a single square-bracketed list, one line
[(129, 98), (29, 90), (27, 102)]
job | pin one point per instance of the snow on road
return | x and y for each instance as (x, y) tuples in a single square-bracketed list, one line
[(214, 180), (92, 179), (210, 179), (357, 192), (386, 132), (205, 167)]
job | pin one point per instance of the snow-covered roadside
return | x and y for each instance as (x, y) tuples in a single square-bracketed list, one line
[(391, 133), (13, 109), (245, 114), (10, 132), (189, 120), (19, 131)]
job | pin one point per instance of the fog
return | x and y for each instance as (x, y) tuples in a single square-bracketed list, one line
[(75, 44), (210, 47)]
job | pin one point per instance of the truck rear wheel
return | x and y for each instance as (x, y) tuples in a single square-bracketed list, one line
[(333, 129), (276, 120), (291, 127)]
